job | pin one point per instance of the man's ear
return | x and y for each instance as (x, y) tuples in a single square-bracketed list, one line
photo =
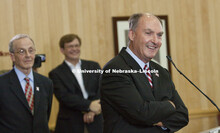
[(131, 35), (12, 57), (62, 50)]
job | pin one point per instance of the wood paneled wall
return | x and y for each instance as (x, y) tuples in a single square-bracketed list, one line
[(194, 40)]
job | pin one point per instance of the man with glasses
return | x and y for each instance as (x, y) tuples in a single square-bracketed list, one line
[(76, 91), (25, 96)]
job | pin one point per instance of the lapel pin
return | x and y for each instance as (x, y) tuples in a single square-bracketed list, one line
[(37, 89)]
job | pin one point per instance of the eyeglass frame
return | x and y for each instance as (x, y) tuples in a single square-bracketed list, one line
[(22, 51)]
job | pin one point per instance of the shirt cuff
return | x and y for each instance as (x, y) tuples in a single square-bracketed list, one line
[(164, 128)]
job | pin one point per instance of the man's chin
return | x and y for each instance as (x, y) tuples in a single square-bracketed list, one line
[(28, 67), (75, 58), (151, 56)]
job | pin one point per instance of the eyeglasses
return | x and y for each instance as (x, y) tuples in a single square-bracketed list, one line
[(23, 51), (73, 46)]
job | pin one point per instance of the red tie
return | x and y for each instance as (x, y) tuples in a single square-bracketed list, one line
[(29, 95), (149, 76)]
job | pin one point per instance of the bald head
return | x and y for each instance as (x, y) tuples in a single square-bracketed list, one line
[(134, 19)]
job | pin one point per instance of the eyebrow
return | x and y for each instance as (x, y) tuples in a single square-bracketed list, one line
[(25, 48), (153, 31)]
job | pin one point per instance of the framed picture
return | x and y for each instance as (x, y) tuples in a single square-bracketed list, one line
[(120, 31)]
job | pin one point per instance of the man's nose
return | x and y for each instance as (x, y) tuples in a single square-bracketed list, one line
[(155, 38)]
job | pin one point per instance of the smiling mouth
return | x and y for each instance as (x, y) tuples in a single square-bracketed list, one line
[(151, 47), (74, 53), (28, 61)]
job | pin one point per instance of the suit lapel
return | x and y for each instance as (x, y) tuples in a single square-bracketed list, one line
[(145, 87), (155, 78), (17, 89), (84, 75), (69, 76), (37, 92)]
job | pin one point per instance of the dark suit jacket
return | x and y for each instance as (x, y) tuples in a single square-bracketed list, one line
[(15, 114), (130, 106), (71, 101)]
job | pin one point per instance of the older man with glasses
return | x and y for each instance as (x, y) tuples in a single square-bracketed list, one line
[(25, 96)]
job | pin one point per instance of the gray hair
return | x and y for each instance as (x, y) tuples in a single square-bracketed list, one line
[(17, 37), (134, 19)]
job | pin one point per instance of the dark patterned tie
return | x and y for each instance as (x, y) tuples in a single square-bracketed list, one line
[(29, 95), (148, 75)]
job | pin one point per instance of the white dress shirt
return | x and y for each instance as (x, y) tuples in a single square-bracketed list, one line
[(76, 70)]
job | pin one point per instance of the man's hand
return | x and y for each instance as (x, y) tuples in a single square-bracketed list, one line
[(88, 117), (95, 107), (160, 124)]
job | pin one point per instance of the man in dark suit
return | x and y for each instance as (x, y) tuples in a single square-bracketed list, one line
[(133, 98), (76, 84), (25, 96)]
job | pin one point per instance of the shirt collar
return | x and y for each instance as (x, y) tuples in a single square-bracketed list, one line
[(140, 62), (72, 66), (21, 75)]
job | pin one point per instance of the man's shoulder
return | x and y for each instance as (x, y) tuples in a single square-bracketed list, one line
[(42, 77), (58, 68), (89, 61), (88, 64), (116, 62), (5, 76), (122, 60)]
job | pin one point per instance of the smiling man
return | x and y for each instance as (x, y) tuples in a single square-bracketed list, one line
[(141, 102), (25, 96), (77, 92)]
